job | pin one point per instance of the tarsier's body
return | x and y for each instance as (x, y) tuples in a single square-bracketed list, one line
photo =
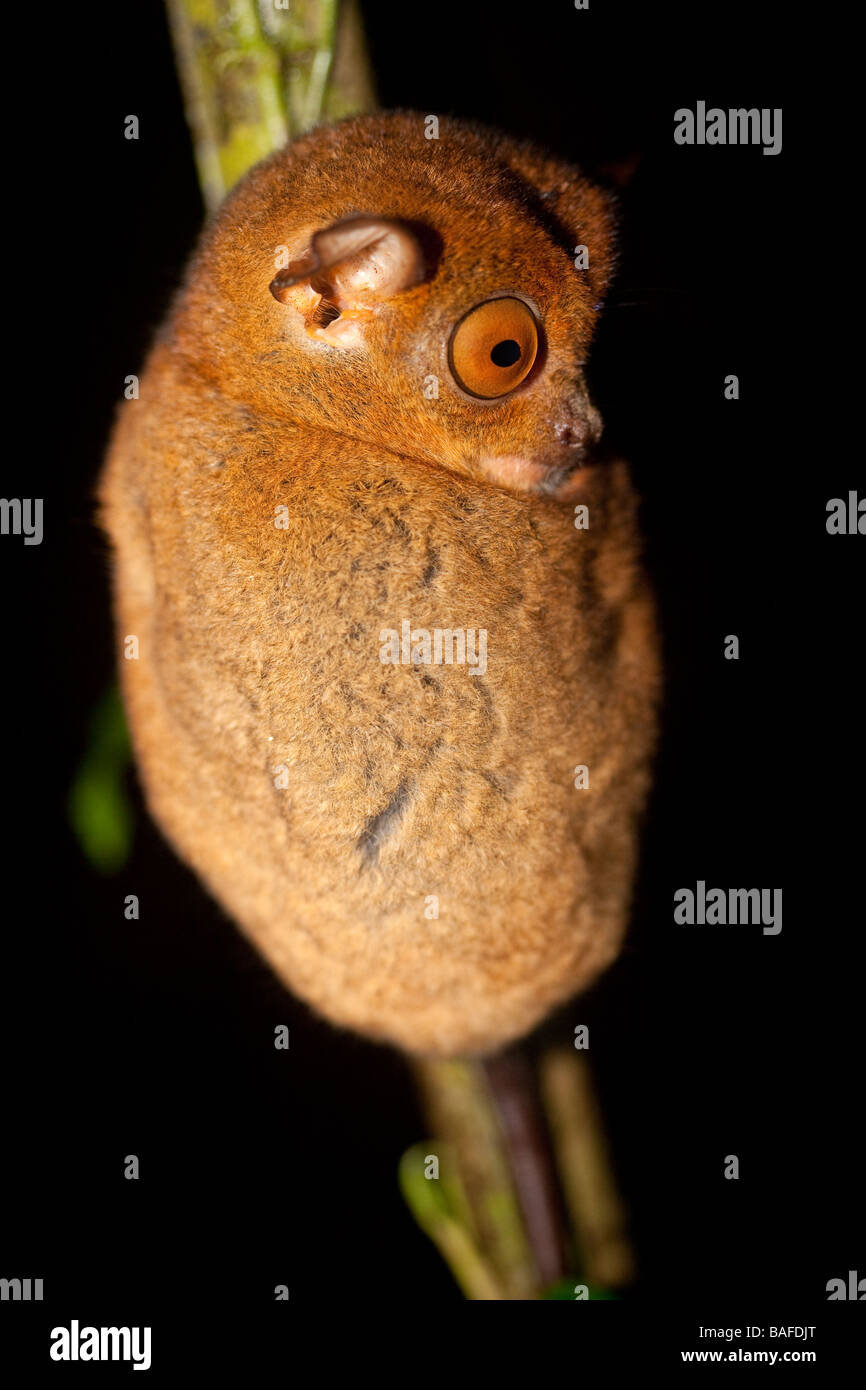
[(310, 466)]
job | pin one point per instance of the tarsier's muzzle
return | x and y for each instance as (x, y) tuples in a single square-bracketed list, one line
[(554, 469)]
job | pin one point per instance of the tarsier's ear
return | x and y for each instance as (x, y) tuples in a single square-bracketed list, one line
[(348, 270)]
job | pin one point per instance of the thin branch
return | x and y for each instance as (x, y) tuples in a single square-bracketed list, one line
[(510, 1082), (232, 88), (255, 73), (352, 87), (593, 1201), (459, 1106)]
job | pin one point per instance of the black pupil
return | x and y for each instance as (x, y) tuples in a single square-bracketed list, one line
[(505, 354)]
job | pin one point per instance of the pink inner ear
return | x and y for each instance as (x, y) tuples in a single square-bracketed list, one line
[(382, 270), (356, 263)]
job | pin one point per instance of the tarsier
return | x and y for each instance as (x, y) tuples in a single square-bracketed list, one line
[(368, 408)]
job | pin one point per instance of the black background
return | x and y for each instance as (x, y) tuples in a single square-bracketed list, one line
[(156, 1037)]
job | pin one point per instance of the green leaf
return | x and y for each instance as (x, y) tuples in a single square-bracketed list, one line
[(99, 808)]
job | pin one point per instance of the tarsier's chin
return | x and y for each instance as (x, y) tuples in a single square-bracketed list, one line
[(396, 675)]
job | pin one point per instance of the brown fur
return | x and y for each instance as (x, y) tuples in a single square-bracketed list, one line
[(259, 647)]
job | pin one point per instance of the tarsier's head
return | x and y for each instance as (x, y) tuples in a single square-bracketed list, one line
[(435, 296)]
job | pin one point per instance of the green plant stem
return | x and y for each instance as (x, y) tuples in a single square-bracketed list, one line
[(232, 89), (594, 1204), (458, 1103)]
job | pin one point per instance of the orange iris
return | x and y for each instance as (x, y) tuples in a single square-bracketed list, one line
[(493, 347)]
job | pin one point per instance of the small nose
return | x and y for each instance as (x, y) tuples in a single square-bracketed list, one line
[(578, 423), (571, 436), (579, 427)]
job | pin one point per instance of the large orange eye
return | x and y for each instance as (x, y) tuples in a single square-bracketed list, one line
[(493, 347)]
